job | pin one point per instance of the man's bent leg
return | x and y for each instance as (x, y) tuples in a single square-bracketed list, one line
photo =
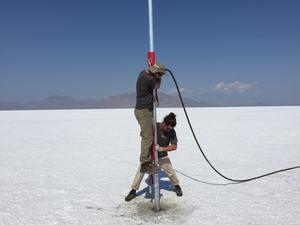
[(166, 165), (145, 120), (137, 180)]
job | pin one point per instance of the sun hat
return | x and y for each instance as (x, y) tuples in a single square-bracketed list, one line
[(158, 68)]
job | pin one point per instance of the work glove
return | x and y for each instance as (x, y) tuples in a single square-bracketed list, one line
[(159, 149)]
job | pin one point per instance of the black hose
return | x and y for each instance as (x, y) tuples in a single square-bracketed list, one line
[(195, 138)]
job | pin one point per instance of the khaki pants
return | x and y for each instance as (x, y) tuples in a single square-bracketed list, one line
[(166, 165), (145, 120)]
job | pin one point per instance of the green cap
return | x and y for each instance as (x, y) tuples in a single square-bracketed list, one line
[(158, 68)]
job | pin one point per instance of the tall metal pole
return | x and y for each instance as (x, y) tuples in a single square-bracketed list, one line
[(151, 61), (150, 14), (154, 153), (151, 55)]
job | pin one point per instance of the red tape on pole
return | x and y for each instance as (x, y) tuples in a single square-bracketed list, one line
[(151, 58)]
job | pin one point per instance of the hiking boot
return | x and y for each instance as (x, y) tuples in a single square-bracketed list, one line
[(130, 196), (149, 167), (144, 166), (152, 169), (178, 190)]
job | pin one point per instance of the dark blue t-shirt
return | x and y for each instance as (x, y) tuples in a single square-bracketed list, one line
[(164, 139)]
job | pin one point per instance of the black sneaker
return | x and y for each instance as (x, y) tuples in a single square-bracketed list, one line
[(130, 196), (178, 190)]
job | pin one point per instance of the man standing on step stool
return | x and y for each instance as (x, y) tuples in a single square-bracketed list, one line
[(147, 82)]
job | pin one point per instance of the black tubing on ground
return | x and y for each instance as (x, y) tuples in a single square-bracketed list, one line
[(196, 140)]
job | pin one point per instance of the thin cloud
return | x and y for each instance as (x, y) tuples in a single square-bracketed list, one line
[(233, 87), (221, 87), (173, 91)]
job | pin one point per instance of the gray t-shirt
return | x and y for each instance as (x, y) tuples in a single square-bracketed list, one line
[(164, 139), (144, 91)]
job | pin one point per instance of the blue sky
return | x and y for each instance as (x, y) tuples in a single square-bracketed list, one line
[(234, 50)]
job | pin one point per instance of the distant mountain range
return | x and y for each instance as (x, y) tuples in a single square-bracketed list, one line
[(118, 101)]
